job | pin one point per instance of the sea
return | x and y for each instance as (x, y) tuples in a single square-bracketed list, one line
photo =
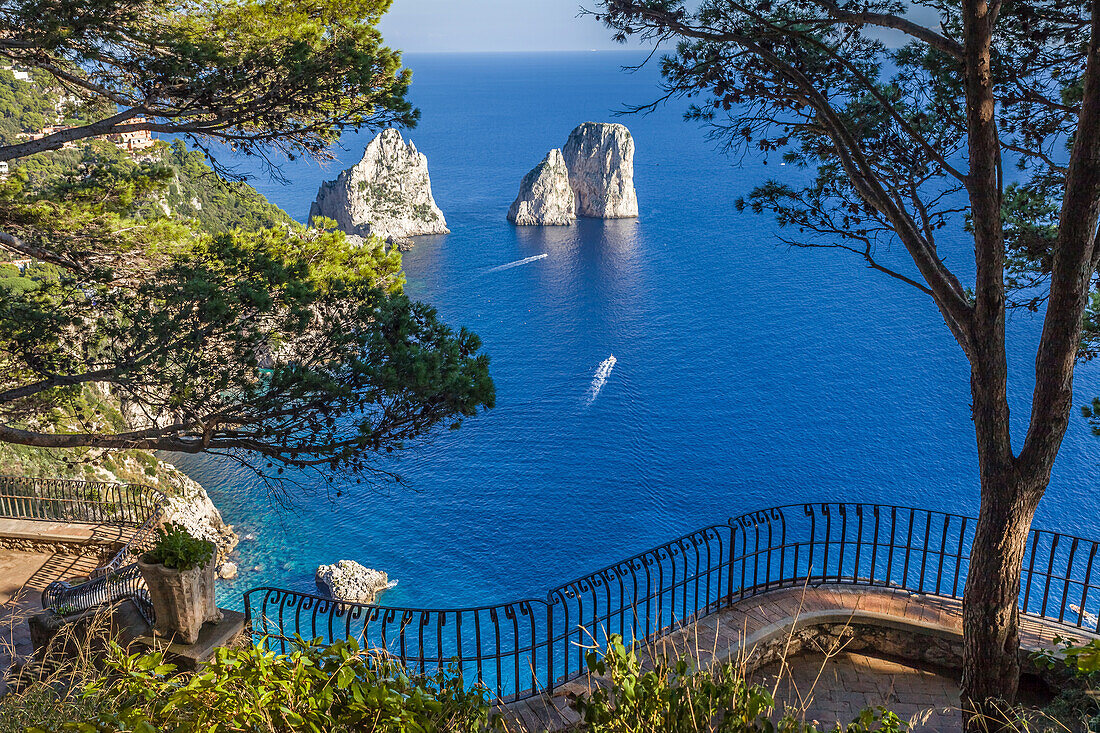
[(653, 376)]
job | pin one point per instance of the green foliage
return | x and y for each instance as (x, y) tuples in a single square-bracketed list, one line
[(1091, 413), (85, 410), (282, 341), (168, 181), (196, 192), (240, 331), (31, 276), (28, 106), (43, 706), (260, 74), (1076, 669), (24, 107), (1086, 659), (17, 284), (869, 99), (176, 548), (1082, 660), (675, 697), (313, 688)]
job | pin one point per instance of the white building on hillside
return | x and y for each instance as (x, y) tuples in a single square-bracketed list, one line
[(19, 73)]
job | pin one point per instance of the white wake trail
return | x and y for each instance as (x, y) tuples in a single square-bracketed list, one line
[(517, 263), (599, 379)]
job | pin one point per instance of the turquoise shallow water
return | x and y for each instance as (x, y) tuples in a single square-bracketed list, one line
[(746, 374)]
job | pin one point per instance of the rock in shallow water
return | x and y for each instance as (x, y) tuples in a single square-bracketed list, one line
[(545, 196), (600, 159), (387, 194), (349, 581)]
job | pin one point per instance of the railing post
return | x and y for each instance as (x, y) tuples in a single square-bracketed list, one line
[(729, 568), (550, 679)]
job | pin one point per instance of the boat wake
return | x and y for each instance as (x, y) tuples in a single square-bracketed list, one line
[(599, 379), (517, 263)]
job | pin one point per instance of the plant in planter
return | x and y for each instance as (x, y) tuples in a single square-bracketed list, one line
[(179, 572)]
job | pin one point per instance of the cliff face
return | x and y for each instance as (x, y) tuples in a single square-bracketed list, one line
[(190, 507), (592, 176), (388, 193), (600, 158), (545, 196)]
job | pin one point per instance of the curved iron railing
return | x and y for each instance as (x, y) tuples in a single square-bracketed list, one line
[(77, 502), (530, 646), (90, 502), (109, 586)]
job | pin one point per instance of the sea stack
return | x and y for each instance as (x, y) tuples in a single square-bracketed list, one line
[(387, 194), (600, 158), (545, 196), (597, 166)]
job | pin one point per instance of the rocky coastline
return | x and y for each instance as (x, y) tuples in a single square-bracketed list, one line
[(545, 196), (190, 506)]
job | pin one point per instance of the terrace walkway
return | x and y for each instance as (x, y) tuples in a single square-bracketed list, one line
[(23, 577), (846, 648), (81, 537), (35, 553), (63, 530)]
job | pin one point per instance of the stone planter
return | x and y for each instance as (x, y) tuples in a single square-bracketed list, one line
[(182, 599)]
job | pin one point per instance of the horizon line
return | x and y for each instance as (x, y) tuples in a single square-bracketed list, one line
[(527, 52)]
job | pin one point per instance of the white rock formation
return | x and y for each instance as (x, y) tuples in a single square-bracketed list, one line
[(228, 571), (190, 507), (387, 193), (545, 196), (349, 581), (600, 158)]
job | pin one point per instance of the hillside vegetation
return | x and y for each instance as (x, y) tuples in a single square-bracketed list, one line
[(188, 192)]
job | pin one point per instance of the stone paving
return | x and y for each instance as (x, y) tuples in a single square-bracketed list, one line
[(836, 688), (23, 577), (33, 554)]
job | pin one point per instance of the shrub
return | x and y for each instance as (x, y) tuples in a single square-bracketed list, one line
[(313, 688), (43, 706), (176, 548), (677, 698), (1076, 669)]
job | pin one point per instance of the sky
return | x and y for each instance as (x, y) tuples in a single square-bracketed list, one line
[(424, 26), (419, 26)]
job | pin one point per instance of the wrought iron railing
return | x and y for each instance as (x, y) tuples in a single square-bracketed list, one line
[(110, 586), (77, 502), (90, 502), (525, 647)]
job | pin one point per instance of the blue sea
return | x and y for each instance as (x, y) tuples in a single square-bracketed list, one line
[(746, 374)]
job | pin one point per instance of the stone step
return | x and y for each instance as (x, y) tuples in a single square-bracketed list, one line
[(125, 624), (189, 657)]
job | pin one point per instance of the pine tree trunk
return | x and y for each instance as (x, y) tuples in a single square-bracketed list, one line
[(991, 665), (1010, 495)]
